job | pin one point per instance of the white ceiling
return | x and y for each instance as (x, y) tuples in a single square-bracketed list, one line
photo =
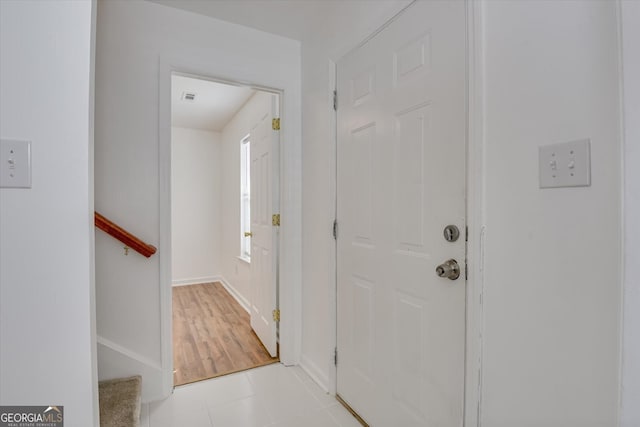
[(214, 106), (338, 23), (288, 18)]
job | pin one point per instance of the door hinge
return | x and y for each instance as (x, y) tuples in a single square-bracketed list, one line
[(335, 356), (466, 270), (466, 233), (335, 229), (275, 220), (276, 315), (335, 100), (275, 124)]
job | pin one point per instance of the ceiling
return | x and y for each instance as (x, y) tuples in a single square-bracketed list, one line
[(214, 105), (287, 18), (337, 25)]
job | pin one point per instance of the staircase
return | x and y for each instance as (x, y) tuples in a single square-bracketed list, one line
[(120, 398), (120, 402)]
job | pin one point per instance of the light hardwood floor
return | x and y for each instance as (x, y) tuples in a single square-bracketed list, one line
[(212, 335)]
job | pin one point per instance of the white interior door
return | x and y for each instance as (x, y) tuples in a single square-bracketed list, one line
[(264, 239), (401, 181)]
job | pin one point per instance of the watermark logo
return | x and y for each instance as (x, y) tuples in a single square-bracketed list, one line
[(31, 416)]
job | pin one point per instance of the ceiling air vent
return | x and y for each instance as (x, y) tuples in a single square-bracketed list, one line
[(188, 96)]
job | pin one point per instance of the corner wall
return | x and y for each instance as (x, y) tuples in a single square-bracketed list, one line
[(630, 16), (47, 333), (552, 284), (196, 222)]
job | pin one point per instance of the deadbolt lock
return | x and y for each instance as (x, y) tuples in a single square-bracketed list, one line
[(449, 269), (451, 233)]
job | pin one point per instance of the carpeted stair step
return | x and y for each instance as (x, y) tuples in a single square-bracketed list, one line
[(120, 402)]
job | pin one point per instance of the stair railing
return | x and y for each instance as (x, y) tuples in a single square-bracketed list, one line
[(124, 236)]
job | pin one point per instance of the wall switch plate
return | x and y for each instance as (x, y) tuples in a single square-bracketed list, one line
[(567, 164), (15, 164)]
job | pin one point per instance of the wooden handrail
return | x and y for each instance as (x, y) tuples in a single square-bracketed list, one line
[(124, 236)]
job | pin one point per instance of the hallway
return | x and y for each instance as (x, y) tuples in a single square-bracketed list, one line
[(212, 335), (270, 396), (551, 298)]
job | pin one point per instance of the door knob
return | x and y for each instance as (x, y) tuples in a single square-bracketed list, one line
[(449, 269)]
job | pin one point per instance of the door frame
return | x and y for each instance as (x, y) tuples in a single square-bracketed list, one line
[(475, 213), (290, 206), (475, 210)]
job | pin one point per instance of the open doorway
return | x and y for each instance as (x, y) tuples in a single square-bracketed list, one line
[(224, 195)]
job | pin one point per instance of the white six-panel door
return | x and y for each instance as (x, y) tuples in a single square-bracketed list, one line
[(401, 181), (264, 191)]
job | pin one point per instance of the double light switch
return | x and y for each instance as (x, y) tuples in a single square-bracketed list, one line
[(567, 164)]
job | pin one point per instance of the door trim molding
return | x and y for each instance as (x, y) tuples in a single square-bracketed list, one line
[(332, 384), (290, 244), (475, 214)]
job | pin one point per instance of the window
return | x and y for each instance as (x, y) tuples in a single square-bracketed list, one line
[(245, 198)]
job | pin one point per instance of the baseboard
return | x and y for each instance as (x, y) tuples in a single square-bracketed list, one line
[(116, 361), (244, 302), (315, 373), (195, 280)]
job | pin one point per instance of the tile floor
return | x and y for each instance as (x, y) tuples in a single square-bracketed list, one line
[(273, 396)]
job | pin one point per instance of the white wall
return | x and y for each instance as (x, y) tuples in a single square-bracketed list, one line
[(196, 222), (552, 285), (555, 307), (342, 31), (533, 53), (135, 41), (630, 15), (236, 271), (47, 333)]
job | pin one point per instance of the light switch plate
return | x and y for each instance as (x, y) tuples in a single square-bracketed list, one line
[(15, 164), (567, 164)]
